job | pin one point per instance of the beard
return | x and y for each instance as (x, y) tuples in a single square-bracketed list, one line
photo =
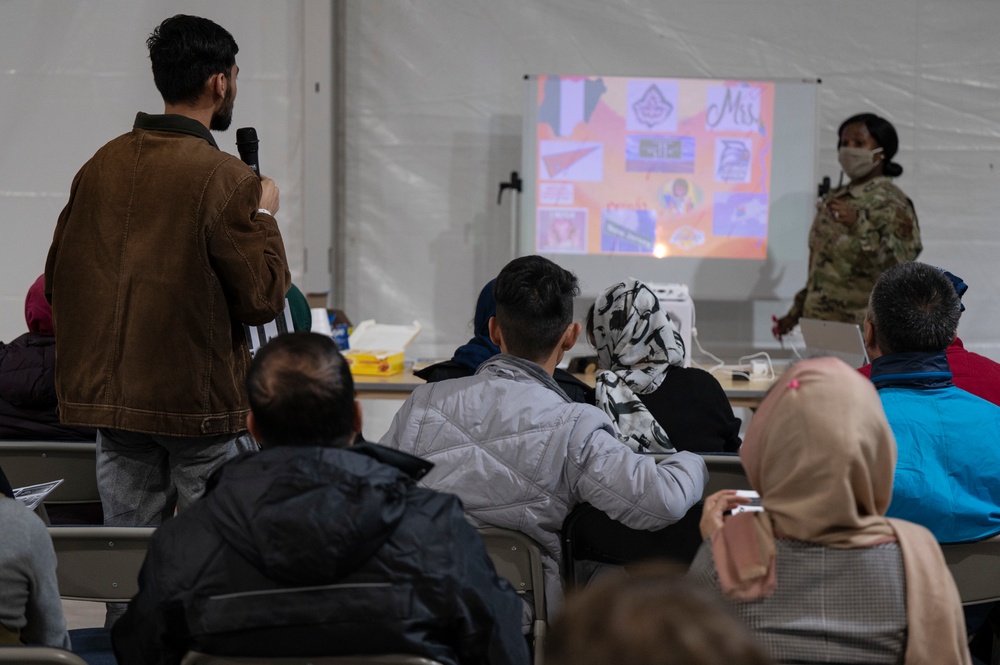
[(224, 116)]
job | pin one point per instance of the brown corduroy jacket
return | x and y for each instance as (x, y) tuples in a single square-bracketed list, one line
[(157, 259)]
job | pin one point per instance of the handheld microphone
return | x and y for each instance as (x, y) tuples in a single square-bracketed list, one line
[(246, 144)]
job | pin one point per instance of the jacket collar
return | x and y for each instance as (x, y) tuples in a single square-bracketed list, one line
[(912, 370), (414, 467), (173, 123), (867, 186), (520, 369)]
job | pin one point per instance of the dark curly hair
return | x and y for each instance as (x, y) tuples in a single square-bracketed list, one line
[(534, 305)]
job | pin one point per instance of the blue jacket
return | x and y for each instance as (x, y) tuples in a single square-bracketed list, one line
[(948, 471)]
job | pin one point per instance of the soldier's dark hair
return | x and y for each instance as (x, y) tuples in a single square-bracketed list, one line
[(913, 307), (185, 51), (885, 136), (534, 305), (301, 392)]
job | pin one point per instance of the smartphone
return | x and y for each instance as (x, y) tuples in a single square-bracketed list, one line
[(752, 507)]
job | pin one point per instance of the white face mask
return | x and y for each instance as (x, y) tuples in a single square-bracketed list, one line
[(857, 162)]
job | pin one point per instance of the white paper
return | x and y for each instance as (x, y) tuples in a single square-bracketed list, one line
[(32, 495), (320, 321)]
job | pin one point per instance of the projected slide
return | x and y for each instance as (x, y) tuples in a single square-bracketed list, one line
[(659, 167)]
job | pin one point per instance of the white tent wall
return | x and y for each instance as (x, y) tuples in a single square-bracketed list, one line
[(434, 98), (434, 103), (74, 74)]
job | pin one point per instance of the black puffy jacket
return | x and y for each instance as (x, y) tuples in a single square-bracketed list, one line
[(302, 551), (28, 393)]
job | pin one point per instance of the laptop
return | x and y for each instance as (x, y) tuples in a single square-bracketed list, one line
[(834, 338)]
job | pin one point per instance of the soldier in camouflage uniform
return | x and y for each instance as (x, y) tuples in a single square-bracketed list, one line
[(860, 229)]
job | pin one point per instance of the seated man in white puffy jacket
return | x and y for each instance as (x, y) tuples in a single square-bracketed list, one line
[(517, 451)]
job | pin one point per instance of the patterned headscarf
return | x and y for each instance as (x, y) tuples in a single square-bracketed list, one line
[(636, 344)]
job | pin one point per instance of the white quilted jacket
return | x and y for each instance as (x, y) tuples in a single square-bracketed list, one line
[(520, 455)]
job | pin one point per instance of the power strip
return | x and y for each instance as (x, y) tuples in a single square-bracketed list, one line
[(758, 369)]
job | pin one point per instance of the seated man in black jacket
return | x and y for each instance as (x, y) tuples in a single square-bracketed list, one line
[(316, 547)]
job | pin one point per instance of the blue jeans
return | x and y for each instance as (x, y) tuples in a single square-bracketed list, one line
[(142, 478)]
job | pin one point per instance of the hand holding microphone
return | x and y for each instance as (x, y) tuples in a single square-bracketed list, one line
[(246, 144)]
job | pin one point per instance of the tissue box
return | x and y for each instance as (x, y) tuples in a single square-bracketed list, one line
[(377, 349)]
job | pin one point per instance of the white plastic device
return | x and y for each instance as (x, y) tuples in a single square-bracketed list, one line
[(674, 298), (671, 291)]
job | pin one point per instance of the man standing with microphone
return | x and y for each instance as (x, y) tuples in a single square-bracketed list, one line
[(166, 247)]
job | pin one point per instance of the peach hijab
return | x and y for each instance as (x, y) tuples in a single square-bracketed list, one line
[(821, 454)]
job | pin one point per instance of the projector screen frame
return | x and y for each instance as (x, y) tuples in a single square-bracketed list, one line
[(794, 179)]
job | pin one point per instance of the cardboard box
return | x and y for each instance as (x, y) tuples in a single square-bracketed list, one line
[(333, 323), (377, 349), (377, 363)]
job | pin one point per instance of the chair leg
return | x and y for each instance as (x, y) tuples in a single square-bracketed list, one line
[(539, 629), (993, 622)]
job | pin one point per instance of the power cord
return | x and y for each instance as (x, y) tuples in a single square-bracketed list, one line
[(766, 367), (719, 362)]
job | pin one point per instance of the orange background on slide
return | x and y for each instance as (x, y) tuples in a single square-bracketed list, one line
[(607, 125)]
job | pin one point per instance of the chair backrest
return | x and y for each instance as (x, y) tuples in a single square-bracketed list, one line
[(976, 569), (725, 472), (195, 658), (34, 462), (99, 563), (518, 559), (39, 656)]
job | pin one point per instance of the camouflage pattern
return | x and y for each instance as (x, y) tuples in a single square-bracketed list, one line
[(844, 262)]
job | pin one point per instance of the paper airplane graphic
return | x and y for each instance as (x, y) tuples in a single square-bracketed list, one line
[(556, 163)]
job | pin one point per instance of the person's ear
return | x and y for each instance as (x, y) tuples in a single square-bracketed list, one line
[(571, 335), (218, 84), (495, 335), (869, 335), (254, 429)]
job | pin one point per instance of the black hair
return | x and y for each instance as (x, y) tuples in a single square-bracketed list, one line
[(913, 307), (301, 392), (185, 52), (534, 305), (885, 136), (588, 325)]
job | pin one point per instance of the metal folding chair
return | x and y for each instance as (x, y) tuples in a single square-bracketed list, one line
[(99, 563), (518, 559), (39, 656), (195, 658)]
